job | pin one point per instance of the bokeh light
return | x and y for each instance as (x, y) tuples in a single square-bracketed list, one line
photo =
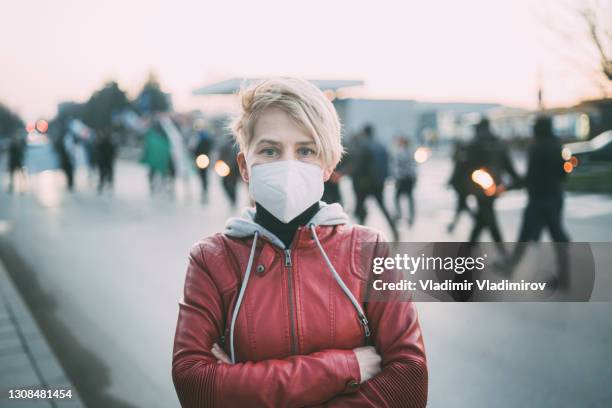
[(484, 180), (574, 161), (42, 126), (566, 153), (221, 168), (421, 155), (202, 161)]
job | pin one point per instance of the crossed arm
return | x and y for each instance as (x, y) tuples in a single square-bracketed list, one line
[(319, 378)]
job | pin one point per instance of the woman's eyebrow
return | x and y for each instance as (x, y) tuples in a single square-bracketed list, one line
[(268, 141), (307, 143)]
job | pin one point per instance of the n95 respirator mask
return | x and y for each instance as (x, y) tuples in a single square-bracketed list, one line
[(286, 188)]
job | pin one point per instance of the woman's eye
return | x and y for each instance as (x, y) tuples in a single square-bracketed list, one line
[(268, 151), (305, 152)]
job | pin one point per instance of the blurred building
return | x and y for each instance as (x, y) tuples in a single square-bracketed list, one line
[(427, 122)]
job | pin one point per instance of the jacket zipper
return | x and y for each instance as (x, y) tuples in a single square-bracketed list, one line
[(290, 300)]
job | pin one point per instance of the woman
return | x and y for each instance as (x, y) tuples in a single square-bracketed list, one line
[(273, 313)]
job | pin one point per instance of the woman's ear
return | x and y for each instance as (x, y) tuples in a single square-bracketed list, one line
[(242, 166), (327, 173)]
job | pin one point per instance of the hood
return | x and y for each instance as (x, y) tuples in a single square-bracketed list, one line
[(244, 226)]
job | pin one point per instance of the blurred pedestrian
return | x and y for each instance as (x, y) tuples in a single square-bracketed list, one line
[(202, 146), (65, 147), (105, 154), (487, 166), (180, 156), (227, 153), (405, 171), (544, 183), (16, 153), (156, 156), (91, 154), (460, 181), (488, 155), (370, 168)]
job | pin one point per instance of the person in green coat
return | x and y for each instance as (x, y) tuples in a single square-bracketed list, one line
[(156, 154)]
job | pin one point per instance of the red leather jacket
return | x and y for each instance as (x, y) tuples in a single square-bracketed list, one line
[(295, 329)]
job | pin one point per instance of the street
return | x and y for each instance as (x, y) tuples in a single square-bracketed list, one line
[(103, 275)]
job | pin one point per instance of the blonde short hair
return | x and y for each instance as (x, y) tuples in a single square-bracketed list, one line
[(306, 104)]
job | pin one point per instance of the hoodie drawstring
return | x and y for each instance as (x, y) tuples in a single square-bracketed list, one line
[(362, 318), (241, 295), (345, 289)]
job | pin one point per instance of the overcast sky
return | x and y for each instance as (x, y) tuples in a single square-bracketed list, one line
[(470, 50)]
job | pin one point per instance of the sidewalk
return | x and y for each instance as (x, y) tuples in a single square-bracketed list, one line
[(26, 361)]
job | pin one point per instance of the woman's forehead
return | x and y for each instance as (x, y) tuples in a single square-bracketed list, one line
[(276, 126)]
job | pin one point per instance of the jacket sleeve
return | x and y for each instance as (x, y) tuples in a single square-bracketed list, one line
[(202, 382), (398, 339)]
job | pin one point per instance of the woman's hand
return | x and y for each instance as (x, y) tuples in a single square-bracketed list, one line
[(220, 354), (367, 357), (369, 362)]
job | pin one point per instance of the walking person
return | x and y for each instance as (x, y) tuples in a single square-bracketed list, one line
[(227, 153), (544, 183), (16, 153), (488, 165), (203, 144), (105, 155), (489, 154), (156, 155), (273, 313), (65, 147), (460, 182), (369, 171), (405, 171)]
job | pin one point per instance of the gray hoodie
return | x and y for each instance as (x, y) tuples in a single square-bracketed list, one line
[(245, 226)]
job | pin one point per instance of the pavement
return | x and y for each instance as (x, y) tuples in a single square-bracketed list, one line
[(26, 360), (103, 274)]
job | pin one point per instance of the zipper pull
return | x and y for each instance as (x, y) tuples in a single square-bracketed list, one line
[(366, 327), (287, 257)]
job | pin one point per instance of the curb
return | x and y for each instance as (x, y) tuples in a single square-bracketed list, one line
[(26, 360)]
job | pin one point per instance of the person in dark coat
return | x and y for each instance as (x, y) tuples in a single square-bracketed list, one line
[(544, 183), (16, 153), (65, 145), (105, 154), (370, 168), (459, 181), (488, 153), (227, 153), (203, 147)]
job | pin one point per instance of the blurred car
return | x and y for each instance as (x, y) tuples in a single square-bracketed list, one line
[(595, 151)]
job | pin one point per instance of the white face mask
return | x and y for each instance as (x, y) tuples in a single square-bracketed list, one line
[(286, 188)]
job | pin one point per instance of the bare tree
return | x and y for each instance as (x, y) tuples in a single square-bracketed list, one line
[(583, 29), (598, 17)]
